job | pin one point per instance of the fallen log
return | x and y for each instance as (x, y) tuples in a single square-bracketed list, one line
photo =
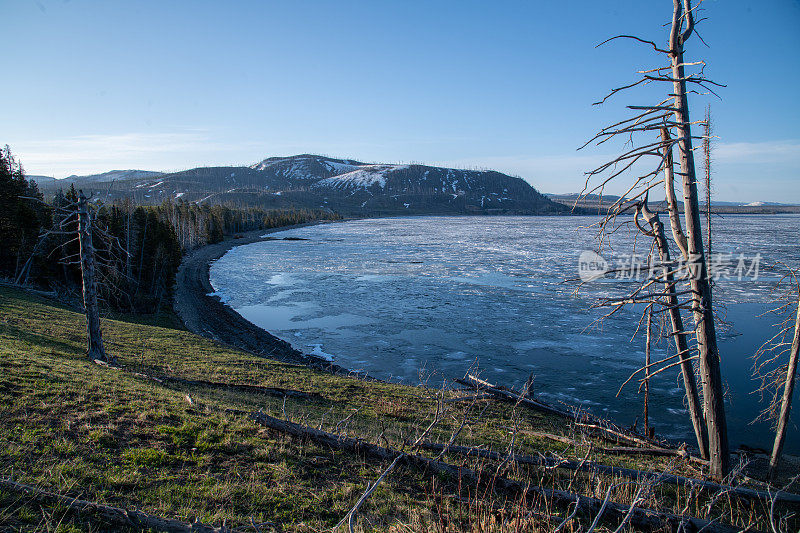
[(628, 473), (504, 394), (622, 450), (656, 452), (253, 389), (470, 398), (587, 505), (617, 435), (113, 515)]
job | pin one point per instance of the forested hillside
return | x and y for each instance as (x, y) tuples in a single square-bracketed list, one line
[(138, 247), (348, 187)]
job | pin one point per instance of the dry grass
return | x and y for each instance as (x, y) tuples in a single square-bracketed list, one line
[(112, 437)]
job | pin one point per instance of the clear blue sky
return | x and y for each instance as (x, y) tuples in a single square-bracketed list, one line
[(93, 86)]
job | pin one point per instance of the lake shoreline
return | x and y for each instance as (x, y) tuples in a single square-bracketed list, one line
[(204, 313)]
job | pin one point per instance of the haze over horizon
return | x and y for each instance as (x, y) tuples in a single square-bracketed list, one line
[(105, 86)]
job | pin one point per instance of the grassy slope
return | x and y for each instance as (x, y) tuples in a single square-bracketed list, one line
[(110, 436)]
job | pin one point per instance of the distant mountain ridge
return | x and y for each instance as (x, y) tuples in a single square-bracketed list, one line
[(595, 204), (112, 175), (344, 185), (41, 179), (105, 177)]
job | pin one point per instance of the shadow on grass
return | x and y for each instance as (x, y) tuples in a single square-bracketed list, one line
[(40, 340)]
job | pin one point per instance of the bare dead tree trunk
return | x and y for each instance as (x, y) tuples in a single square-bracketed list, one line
[(705, 330), (95, 345), (646, 414), (670, 114), (128, 260), (707, 168), (672, 201), (678, 333), (786, 402)]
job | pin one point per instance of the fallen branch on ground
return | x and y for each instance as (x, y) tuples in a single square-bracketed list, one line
[(504, 394), (255, 389), (113, 515), (351, 514), (624, 450), (620, 436), (642, 518), (629, 473)]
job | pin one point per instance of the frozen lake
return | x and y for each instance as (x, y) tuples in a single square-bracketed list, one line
[(432, 297)]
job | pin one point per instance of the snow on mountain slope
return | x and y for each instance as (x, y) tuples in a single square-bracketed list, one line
[(344, 185), (362, 178), (112, 175), (339, 167), (306, 167)]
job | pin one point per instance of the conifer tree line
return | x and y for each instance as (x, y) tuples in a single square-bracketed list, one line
[(20, 219), (136, 268)]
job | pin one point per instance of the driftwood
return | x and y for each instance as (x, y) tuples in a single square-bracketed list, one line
[(351, 514), (641, 518), (656, 452), (629, 473), (113, 515)]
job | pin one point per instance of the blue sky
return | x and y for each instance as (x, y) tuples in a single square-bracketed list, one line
[(94, 86)]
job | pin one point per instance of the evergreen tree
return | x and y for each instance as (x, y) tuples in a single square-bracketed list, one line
[(21, 218)]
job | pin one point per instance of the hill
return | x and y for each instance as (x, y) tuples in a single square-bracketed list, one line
[(43, 181), (343, 185), (112, 175)]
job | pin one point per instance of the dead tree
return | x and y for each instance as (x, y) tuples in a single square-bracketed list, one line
[(683, 285), (699, 280), (707, 167), (95, 350), (646, 384), (777, 379), (76, 223), (671, 303), (786, 401)]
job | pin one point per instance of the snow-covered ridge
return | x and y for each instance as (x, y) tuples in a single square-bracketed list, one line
[(306, 166), (112, 175), (333, 173), (363, 178), (339, 167)]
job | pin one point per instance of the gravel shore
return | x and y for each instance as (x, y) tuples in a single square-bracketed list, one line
[(206, 315)]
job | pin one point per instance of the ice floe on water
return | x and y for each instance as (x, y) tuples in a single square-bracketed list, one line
[(316, 349), (436, 296)]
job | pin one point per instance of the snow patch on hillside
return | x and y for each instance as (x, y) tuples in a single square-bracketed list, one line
[(363, 178), (306, 167), (340, 168)]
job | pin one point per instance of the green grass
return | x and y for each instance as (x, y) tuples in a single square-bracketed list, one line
[(113, 437)]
